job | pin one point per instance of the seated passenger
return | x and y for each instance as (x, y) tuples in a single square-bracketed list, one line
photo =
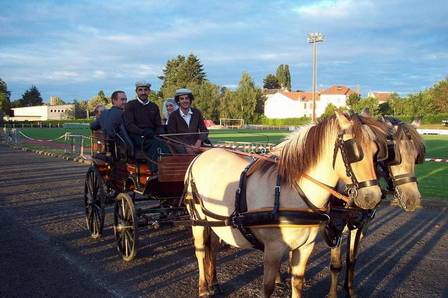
[(187, 121), (98, 110), (142, 121), (169, 106), (110, 120)]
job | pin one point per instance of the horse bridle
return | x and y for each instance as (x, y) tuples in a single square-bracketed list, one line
[(351, 152), (391, 157)]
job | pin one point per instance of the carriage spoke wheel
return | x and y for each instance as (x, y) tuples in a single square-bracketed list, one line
[(94, 202), (125, 226)]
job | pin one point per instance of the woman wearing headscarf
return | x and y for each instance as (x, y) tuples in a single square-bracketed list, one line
[(169, 106)]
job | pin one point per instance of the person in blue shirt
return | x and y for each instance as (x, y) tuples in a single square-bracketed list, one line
[(110, 120)]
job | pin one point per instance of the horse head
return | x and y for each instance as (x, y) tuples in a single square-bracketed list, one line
[(359, 139), (405, 148)]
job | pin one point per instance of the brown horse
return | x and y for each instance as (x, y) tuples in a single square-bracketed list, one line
[(338, 148), (398, 169)]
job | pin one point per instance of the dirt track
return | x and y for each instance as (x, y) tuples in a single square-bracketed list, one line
[(45, 249)]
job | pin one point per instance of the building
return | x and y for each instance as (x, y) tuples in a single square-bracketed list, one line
[(41, 113), (284, 104), (381, 96)]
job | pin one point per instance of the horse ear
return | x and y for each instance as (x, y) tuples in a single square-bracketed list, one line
[(416, 123), (366, 112), (344, 123)]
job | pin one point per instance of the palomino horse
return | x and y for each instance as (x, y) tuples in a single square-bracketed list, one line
[(310, 163), (404, 150)]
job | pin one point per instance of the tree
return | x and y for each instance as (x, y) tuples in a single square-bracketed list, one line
[(329, 111), (245, 99), (439, 96), (271, 82), (56, 100), (385, 108), (181, 72), (31, 97), (5, 103), (370, 103), (283, 76), (353, 100), (99, 99), (206, 98)]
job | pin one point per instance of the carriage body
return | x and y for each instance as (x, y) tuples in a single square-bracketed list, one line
[(140, 197)]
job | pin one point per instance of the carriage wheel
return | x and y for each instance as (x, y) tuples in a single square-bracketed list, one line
[(94, 202), (125, 226)]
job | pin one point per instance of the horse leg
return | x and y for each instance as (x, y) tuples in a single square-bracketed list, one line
[(335, 267), (210, 255), (201, 237), (299, 258), (273, 253), (353, 242)]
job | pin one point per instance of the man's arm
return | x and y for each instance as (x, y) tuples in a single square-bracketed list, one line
[(95, 125)]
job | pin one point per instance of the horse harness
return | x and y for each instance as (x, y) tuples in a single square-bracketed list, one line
[(243, 220), (387, 156)]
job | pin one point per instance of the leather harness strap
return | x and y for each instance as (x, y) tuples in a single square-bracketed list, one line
[(244, 220)]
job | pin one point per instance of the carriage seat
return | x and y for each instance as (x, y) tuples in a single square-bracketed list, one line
[(126, 150)]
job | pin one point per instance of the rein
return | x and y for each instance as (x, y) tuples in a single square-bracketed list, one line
[(329, 189)]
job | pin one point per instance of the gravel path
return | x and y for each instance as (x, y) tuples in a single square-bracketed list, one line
[(45, 249)]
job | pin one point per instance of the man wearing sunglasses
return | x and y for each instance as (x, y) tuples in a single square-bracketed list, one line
[(142, 121)]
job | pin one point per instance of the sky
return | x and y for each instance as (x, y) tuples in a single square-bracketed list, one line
[(73, 49)]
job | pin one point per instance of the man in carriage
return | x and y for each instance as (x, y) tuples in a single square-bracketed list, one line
[(188, 122), (142, 121), (110, 120)]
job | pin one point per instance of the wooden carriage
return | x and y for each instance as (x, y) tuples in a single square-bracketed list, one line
[(120, 175)]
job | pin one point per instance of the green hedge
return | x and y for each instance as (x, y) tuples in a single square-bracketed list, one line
[(427, 119), (286, 121)]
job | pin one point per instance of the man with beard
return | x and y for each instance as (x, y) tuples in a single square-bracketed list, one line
[(142, 121)]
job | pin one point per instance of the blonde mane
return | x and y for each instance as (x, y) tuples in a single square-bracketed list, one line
[(303, 149)]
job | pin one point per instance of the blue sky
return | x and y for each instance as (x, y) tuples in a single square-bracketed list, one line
[(73, 49)]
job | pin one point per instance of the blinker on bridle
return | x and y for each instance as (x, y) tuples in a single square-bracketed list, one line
[(351, 152)]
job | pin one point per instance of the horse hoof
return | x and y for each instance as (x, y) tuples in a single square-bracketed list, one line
[(215, 289)]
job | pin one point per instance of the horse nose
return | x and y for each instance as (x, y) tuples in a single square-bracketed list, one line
[(368, 197)]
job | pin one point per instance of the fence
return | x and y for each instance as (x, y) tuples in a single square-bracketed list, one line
[(68, 144)]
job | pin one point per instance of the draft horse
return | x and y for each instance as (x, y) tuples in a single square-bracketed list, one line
[(396, 164), (284, 202)]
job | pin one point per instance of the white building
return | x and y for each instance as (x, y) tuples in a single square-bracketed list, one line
[(381, 96), (41, 113), (285, 104)]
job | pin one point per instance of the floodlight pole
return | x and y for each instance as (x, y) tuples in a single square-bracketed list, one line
[(314, 38)]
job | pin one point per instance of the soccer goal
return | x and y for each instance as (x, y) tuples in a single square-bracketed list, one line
[(231, 123)]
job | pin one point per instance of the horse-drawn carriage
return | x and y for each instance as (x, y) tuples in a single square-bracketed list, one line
[(120, 175), (306, 169)]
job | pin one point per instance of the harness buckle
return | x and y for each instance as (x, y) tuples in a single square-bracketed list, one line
[(235, 221)]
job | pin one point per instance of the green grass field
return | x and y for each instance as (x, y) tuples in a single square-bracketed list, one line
[(432, 176)]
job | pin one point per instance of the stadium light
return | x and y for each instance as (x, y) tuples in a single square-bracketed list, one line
[(314, 38)]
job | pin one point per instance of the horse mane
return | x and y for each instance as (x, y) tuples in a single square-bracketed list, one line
[(303, 149)]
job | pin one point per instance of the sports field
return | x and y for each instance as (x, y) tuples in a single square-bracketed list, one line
[(432, 176)]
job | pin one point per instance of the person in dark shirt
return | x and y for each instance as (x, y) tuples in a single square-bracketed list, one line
[(187, 121), (142, 121), (110, 120)]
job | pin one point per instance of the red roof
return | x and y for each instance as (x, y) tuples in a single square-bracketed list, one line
[(343, 90), (382, 96), (302, 95)]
